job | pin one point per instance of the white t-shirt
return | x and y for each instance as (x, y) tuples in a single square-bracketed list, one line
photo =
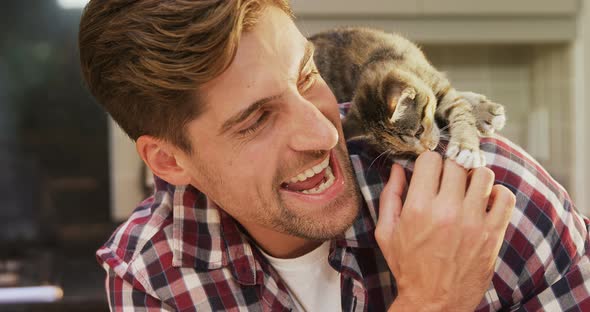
[(313, 284)]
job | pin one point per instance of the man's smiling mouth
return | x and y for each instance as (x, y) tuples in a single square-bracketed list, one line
[(314, 180)]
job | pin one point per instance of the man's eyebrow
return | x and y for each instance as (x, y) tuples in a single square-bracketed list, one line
[(307, 55), (245, 113)]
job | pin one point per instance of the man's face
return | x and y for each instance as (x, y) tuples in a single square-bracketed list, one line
[(269, 120)]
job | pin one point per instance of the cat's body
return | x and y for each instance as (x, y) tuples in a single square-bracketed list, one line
[(398, 97)]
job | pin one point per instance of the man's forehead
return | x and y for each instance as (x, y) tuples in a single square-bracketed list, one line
[(275, 40), (270, 51)]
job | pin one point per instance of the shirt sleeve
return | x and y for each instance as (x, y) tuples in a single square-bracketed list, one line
[(122, 296), (543, 264)]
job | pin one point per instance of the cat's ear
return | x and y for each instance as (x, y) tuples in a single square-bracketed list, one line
[(403, 105)]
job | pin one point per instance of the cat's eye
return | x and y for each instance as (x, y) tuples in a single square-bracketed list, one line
[(420, 131)]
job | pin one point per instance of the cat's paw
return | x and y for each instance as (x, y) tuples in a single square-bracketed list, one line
[(466, 157), (490, 116)]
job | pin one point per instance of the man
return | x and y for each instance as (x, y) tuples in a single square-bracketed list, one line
[(261, 205)]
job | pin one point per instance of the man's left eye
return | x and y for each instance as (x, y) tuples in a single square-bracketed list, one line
[(256, 125)]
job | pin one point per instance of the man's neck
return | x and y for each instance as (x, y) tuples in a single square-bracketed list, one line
[(280, 245)]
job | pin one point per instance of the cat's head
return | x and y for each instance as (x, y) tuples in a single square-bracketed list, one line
[(398, 117), (410, 124)]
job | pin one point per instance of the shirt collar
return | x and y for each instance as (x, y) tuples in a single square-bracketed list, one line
[(370, 176)]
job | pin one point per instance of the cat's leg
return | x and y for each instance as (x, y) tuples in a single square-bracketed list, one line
[(490, 116), (463, 144)]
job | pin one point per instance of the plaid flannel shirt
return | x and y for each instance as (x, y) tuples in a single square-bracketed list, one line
[(180, 252)]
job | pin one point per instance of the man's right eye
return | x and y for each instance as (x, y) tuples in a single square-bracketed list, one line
[(308, 81)]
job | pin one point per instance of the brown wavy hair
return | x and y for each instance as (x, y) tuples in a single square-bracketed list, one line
[(145, 60)]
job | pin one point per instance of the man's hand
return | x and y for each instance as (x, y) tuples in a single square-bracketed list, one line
[(442, 243)]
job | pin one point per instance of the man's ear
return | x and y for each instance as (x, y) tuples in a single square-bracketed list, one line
[(162, 158)]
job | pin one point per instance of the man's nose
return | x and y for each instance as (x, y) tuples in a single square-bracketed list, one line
[(310, 129)]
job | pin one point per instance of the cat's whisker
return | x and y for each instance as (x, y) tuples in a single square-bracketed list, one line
[(391, 155), (445, 127), (374, 160), (445, 136)]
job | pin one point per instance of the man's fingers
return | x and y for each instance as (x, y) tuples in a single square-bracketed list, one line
[(426, 176), (399, 184), (478, 191), (501, 203), (390, 203), (454, 180)]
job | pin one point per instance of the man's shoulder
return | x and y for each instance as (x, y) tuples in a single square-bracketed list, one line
[(150, 217), (500, 151), (143, 237), (523, 175), (546, 239), (545, 243), (165, 249)]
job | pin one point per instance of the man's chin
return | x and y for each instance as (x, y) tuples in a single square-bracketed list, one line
[(331, 222), (327, 214), (322, 217)]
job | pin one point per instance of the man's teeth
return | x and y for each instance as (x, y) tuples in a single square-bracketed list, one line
[(329, 181), (311, 172)]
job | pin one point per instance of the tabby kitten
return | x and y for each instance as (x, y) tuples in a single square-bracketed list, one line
[(399, 100)]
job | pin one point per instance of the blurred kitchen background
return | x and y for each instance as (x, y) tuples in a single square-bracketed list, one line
[(69, 176)]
